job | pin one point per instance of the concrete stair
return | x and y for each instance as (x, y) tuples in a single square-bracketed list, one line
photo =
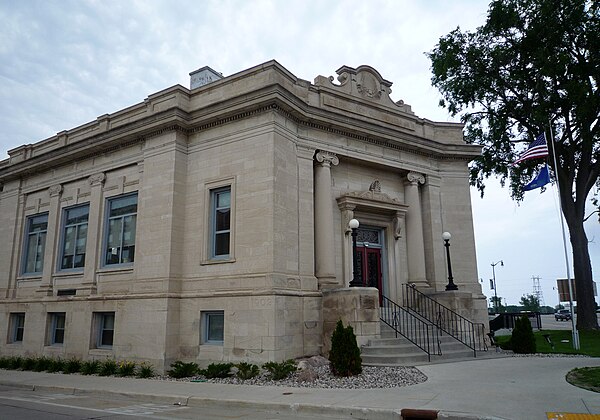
[(391, 351)]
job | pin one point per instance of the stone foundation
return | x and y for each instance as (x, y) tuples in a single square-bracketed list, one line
[(355, 306)]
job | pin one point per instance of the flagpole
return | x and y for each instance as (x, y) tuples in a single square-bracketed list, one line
[(575, 333)]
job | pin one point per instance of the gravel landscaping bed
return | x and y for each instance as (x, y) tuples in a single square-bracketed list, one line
[(315, 373)]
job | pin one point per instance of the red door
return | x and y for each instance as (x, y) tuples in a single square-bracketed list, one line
[(369, 261)]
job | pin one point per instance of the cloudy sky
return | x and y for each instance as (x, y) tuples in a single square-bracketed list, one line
[(65, 62)]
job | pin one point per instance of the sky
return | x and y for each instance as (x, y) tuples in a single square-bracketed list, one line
[(63, 63)]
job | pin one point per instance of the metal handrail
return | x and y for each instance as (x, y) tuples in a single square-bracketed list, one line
[(422, 334), (467, 332)]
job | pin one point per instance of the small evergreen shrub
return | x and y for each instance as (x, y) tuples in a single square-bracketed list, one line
[(15, 362), (282, 370), (181, 369), (73, 365), (126, 368), (217, 370), (29, 363), (56, 365), (145, 370), (42, 364), (3, 362), (108, 367), (344, 354), (90, 367), (523, 340), (246, 370)]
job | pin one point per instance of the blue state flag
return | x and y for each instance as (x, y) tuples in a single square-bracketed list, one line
[(540, 180)]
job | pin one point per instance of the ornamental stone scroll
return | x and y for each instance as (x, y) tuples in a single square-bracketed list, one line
[(55, 190), (415, 178), (97, 179), (327, 158)]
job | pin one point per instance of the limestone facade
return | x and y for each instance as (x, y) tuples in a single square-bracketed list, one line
[(212, 224)]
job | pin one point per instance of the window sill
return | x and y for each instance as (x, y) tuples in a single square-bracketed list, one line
[(29, 277), (68, 273), (101, 352), (121, 268), (217, 261)]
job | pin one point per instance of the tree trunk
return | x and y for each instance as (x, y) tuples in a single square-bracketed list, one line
[(586, 304)]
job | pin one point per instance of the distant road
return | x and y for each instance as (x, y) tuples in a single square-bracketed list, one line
[(549, 323)]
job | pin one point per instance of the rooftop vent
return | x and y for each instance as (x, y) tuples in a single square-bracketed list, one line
[(203, 76)]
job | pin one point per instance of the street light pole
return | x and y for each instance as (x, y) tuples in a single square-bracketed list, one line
[(450, 286), (495, 288), (353, 224)]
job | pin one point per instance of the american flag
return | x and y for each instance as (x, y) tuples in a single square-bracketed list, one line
[(537, 149)]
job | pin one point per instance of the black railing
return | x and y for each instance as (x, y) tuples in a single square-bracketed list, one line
[(444, 318), (422, 334), (507, 320)]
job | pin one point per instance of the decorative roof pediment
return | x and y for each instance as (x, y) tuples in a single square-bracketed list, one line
[(366, 83), (371, 201)]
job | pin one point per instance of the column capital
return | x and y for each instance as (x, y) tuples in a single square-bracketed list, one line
[(326, 158), (97, 179), (415, 178), (55, 190)]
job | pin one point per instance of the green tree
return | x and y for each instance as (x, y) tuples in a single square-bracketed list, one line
[(530, 303), (344, 354), (522, 339), (496, 303), (533, 66)]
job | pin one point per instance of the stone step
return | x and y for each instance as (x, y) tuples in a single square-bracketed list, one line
[(395, 350), (394, 359)]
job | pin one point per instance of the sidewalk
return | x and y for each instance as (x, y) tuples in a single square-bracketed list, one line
[(506, 388)]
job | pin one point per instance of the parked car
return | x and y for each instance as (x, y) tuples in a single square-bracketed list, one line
[(562, 315)]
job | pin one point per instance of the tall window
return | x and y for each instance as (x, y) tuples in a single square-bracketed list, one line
[(220, 222), (74, 237), (17, 322), (57, 328), (120, 235), (104, 329), (35, 243), (213, 323)]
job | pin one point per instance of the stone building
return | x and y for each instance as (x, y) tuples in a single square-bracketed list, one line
[(211, 223)]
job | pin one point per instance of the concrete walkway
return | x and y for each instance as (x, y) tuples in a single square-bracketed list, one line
[(506, 388)]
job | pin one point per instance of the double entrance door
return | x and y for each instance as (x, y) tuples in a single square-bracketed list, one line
[(369, 258)]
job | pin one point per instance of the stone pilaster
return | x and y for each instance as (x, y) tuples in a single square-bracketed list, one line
[(55, 191), (324, 240), (414, 230), (94, 237), (347, 215)]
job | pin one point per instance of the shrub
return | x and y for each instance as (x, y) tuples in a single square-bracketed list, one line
[(523, 340), (145, 370), (246, 370), (181, 369), (108, 367), (126, 368), (72, 365), (56, 365), (217, 370), (280, 370), (15, 362), (344, 354), (41, 364), (4, 362), (90, 367), (29, 363)]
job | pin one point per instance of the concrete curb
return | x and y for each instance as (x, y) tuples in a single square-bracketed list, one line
[(359, 413), (303, 409)]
